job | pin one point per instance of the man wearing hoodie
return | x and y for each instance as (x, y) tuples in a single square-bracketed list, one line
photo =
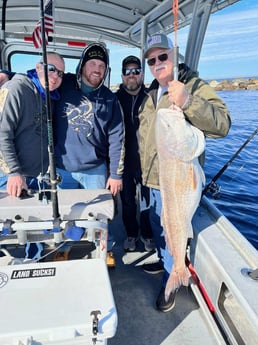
[(23, 125), (5, 76), (131, 93), (89, 130), (23, 128)]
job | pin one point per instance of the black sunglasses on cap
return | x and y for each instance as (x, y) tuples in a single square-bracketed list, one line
[(52, 68), (134, 71), (162, 57)]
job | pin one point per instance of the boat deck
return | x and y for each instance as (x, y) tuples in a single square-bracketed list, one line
[(135, 292)]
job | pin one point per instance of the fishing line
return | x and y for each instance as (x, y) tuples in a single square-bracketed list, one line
[(212, 186)]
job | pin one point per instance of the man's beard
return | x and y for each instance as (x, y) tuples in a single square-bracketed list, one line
[(132, 87)]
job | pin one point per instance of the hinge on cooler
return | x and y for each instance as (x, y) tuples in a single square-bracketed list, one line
[(95, 324)]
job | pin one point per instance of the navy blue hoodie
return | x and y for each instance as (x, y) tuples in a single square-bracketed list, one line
[(88, 128)]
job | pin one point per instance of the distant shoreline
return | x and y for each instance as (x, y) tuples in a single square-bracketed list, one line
[(234, 84), (224, 84)]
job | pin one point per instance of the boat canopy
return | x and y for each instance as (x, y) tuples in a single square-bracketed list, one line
[(125, 22)]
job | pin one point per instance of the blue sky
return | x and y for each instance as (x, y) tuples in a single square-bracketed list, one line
[(230, 46)]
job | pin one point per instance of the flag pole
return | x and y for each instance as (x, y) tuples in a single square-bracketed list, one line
[(52, 167)]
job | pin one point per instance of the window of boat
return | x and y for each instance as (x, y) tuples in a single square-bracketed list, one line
[(21, 63)]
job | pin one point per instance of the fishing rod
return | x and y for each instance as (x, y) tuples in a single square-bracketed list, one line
[(52, 167), (175, 50), (3, 15), (212, 186)]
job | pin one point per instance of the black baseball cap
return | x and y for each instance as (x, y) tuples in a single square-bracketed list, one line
[(131, 59)]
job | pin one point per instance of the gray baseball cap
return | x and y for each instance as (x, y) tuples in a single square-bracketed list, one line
[(157, 41)]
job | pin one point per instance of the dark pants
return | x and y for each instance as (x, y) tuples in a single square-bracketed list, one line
[(130, 206)]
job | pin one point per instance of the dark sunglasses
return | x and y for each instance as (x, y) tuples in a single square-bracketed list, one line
[(52, 68), (134, 71), (161, 57)]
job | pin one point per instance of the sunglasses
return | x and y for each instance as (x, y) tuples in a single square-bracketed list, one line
[(52, 68), (162, 57), (134, 71)]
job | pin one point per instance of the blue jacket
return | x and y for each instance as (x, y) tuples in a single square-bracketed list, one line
[(88, 129)]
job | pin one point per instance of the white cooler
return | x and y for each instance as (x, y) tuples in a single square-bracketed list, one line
[(56, 303)]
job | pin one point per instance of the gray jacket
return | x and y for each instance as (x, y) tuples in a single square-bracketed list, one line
[(23, 128)]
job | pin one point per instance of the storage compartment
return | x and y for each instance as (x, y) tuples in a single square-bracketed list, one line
[(56, 303)]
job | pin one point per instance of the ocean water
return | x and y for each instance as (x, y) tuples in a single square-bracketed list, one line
[(238, 196)]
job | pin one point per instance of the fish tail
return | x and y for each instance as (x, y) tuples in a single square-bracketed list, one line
[(175, 280)]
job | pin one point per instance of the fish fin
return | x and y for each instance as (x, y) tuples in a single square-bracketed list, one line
[(175, 280)]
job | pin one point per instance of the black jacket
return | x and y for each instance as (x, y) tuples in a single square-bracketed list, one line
[(130, 105)]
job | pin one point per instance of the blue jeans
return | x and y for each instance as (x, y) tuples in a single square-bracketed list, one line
[(158, 232), (32, 182), (3, 181), (94, 178)]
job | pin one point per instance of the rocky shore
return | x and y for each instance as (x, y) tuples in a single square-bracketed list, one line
[(235, 84), (227, 84)]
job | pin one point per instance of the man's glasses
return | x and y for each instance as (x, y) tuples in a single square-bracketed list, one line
[(162, 57), (52, 68), (134, 71)]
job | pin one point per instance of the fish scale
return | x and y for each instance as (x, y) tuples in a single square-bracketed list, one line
[(180, 177)]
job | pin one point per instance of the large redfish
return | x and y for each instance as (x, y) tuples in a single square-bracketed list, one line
[(180, 177)]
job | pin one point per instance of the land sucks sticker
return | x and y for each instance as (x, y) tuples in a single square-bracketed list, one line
[(34, 273)]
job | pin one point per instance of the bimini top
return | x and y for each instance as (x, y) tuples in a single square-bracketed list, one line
[(126, 22)]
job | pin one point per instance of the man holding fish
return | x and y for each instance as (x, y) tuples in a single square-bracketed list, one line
[(175, 118)]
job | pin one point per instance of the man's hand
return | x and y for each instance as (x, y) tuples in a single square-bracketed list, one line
[(115, 186), (177, 93), (15, 184)]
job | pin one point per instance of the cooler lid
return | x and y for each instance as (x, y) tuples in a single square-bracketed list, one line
[(56, 300)]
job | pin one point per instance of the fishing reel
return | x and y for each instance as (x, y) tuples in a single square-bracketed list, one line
[(44, 183), (45, 179), (213, 189)]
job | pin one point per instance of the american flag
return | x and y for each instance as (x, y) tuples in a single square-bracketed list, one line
[(49, 25)]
